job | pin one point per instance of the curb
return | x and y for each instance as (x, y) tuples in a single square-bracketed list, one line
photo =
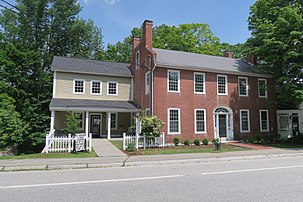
[(144, 163)]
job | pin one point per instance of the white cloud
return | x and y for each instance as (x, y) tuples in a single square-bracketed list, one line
[(110, 2), (86, 1)]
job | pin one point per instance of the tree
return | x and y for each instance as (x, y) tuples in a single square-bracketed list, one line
[(29, 39), (151, 126), (72, 123), (195, 37), (277, 42)]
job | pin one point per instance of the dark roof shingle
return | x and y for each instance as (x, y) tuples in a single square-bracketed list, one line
[(203, 62), (77, 65)]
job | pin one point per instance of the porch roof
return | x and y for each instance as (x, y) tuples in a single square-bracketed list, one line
[(60, 104)]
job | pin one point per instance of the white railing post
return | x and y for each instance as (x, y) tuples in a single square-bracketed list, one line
[(90, 142), (46, 143), (69, 143), (124, 141), (144, 142)]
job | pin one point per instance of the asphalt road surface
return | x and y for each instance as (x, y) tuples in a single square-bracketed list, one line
[(279, 179)]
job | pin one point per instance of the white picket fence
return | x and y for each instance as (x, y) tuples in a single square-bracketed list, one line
[(63, 143), (143, 142)]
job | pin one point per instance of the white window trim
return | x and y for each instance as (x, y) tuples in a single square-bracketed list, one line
[(137, 60), (226, 85), (283, 129), (205, 125), (259, 88), (170, 91), (147, 88), (168, 121), (116, 88), (241, 77), (115, 128), (91, 87), (264, 110), (74, 83), (241, 127), (197, 73)]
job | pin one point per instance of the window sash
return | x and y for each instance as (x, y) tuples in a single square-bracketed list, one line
[(112, 88), (96, 87), (113, 121), (79, 86), (245, 121), (264, 124), (199, 79), (200, 121), (222, 85), (262, 87), (283, 122), (243, 86), (173, 81), (174, 121)]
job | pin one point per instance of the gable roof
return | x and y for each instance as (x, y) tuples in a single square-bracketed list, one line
[(194, 61), (77, 65)]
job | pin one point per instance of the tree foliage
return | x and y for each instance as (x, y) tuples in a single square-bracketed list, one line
[(277, 41), (151, 126), (29, 39), (195, 37), (72, 123)]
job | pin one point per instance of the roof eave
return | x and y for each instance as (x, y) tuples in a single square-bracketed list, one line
[(94, 73)]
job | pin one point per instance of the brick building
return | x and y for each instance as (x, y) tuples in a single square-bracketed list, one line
[(199, 95)]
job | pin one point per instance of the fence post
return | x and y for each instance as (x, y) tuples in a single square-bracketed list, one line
[(69, 143), (124, 141), (144, 142), (163, 139), (90, 142), (47, 143)]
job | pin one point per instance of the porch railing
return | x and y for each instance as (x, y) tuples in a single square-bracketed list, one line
[(64, 143), (143, 142)]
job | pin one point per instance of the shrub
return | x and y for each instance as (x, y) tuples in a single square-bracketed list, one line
[(205, 141), (186, 142), (216, 141), (131, 147), (176, 141), (197, 142)]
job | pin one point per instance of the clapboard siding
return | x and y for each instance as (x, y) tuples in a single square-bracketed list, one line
[(64, 86)]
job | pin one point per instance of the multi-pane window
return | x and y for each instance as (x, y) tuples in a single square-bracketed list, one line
[(173, 121), (262, 85), (173, 81), (222, 84), (200, 126), (137, 59), (264, 124), (113, 121), (147, 82), (79, 86), (199, 83), (96, 87), (283, 122), (243, 86), (244, 120), (112, 88)]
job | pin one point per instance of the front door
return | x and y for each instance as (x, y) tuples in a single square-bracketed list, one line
[(222, 125), (95, 125)]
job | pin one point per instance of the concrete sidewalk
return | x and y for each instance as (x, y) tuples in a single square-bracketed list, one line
[(119, 161), (104, 148)]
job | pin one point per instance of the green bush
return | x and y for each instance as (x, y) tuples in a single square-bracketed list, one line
[(176, 141), (186, 142), (131, 147), (205, 141), (196, 142), (216, 141)]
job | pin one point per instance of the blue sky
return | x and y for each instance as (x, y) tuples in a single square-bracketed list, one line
[(116, 18), (227, 18)]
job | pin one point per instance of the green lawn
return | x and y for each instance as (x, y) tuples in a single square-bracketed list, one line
[(181, 150), (51, 155), (285, 145)]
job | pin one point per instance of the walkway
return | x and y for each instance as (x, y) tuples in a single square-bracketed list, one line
[(251, 146), (104, 148)]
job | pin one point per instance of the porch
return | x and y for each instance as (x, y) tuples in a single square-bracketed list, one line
[(103, 119)]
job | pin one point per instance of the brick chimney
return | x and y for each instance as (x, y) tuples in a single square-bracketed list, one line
[(228, 54), (251, 59), (147, 38), (135, 43)]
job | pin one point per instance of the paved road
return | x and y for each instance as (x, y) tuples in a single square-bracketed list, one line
[(279, 179)]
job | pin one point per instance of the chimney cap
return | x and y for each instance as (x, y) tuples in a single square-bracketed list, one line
[(148, 22)]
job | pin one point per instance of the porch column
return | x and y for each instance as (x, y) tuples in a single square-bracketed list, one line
[(52, 123), (108, 124), (86, 124)]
